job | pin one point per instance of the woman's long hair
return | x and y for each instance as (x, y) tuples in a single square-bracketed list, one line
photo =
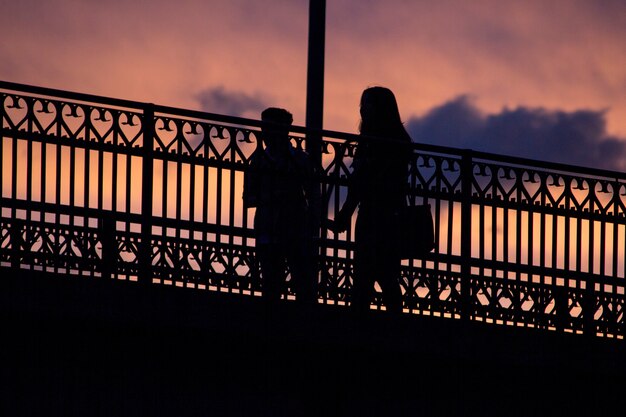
[(380, 115)]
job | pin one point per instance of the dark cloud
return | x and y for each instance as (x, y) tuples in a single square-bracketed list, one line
[(577, 137), (232, 103)]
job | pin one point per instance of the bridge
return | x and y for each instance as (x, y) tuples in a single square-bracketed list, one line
[(130, 282)]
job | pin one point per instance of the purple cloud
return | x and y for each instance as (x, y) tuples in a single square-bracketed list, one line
[(232, 103), (577, 137)]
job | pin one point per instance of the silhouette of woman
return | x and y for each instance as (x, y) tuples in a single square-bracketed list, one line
[(377, 186)]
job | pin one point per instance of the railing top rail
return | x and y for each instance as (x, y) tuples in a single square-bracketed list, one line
[(197, 114)]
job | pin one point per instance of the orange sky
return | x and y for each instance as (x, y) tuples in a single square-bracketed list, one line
[(237, 56)]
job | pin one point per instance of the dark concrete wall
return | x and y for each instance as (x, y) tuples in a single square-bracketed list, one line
[(75, 346)]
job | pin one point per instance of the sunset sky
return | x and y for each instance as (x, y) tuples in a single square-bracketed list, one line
[(541, 79)]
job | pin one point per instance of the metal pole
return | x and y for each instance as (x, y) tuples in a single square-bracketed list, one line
[(315, 114), (315, 75)]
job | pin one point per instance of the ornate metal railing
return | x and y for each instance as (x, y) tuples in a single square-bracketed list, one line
[(115, 189)]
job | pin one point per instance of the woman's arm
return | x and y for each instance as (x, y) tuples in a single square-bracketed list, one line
[(355, 184)]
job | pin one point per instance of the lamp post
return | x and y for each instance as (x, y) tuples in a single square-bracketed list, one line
[(315, 78), (315, 107)]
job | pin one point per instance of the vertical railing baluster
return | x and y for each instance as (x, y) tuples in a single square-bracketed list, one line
[(206, 252), (55, 236), (519, 184), (615, 247), (589, 302), (145, 258), (567, 229), (235, 281), (178, 248), (219, 192), (466, 232), (43, 181)]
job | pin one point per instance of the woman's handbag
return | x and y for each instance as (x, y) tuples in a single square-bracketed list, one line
[(416, 231)]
